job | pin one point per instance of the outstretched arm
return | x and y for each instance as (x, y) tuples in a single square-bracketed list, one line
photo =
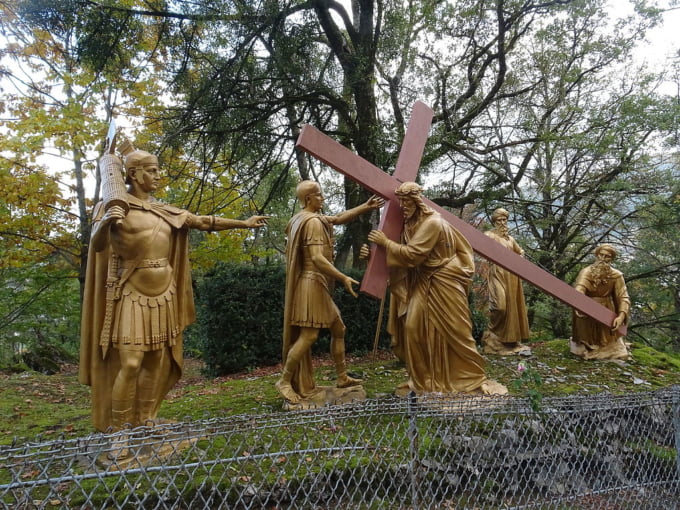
[(216, 223), (375, 202)]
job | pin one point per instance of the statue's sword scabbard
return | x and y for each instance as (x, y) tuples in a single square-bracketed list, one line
[(112, 295)]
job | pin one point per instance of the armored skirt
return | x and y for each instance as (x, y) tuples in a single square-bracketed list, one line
[(313, 306)]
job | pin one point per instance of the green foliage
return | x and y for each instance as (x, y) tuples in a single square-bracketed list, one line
[(529, 382), (47, 358), (240, 316), (360, 316), (478, 313), (38, 305), (652, 269), (652, 358), (34, 223)]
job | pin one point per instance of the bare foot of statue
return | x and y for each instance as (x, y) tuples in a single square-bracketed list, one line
[(347, 381), (287, 392)]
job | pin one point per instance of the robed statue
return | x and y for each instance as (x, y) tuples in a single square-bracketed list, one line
[(508, 322), (606, 285), (430, 323)]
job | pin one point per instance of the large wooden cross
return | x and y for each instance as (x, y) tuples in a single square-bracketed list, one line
[(327, 150)]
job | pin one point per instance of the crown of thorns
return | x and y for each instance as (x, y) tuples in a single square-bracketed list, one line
[(408, 189)]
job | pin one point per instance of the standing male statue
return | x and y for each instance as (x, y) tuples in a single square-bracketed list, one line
[(138, 297), (604, 284), (508, 323), (430, 272), (309, 305)]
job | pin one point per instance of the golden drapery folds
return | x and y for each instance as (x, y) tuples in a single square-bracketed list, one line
[(590, 339), (508, 322), (429, 316)]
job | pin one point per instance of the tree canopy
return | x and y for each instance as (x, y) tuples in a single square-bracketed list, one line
[(540, 108)]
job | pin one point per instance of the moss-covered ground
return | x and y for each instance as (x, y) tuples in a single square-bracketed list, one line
[(34, 406)]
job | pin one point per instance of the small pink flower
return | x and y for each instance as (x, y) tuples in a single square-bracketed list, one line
[(521, 367)]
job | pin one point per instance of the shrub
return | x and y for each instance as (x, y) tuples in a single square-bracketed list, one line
[(240, 318), (360, 316), (45, 358)]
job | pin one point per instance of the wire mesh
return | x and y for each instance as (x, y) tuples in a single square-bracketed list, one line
[(420, 452)]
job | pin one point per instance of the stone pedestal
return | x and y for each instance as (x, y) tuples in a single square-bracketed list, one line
[(493, 344), (328, 395)]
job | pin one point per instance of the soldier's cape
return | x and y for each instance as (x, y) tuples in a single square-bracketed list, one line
[(303, 378)]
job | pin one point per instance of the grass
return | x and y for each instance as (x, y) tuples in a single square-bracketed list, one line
[(34, 405)]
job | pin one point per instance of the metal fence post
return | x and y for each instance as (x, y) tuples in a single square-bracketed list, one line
[(676, 427), (414, 446)]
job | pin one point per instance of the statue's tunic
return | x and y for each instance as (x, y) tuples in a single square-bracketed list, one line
[(593, 340), (507, 309), (143, 316), (308, 298), (145, 322), (429, 312)]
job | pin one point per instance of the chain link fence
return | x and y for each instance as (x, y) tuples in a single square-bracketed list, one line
[(427, 452)]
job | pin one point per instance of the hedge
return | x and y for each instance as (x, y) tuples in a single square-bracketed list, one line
[(240, 318)]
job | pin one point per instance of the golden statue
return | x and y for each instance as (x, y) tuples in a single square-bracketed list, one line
[(429, 318), (508, 323), (604, 284), (309, 305), (138, 297)]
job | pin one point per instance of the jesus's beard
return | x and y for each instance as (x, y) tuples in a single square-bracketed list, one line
[(600, 272)]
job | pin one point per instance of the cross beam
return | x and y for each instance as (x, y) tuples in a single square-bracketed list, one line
[(338, 157), (375, 278)]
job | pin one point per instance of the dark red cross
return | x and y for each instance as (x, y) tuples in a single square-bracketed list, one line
[(327, 150)]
